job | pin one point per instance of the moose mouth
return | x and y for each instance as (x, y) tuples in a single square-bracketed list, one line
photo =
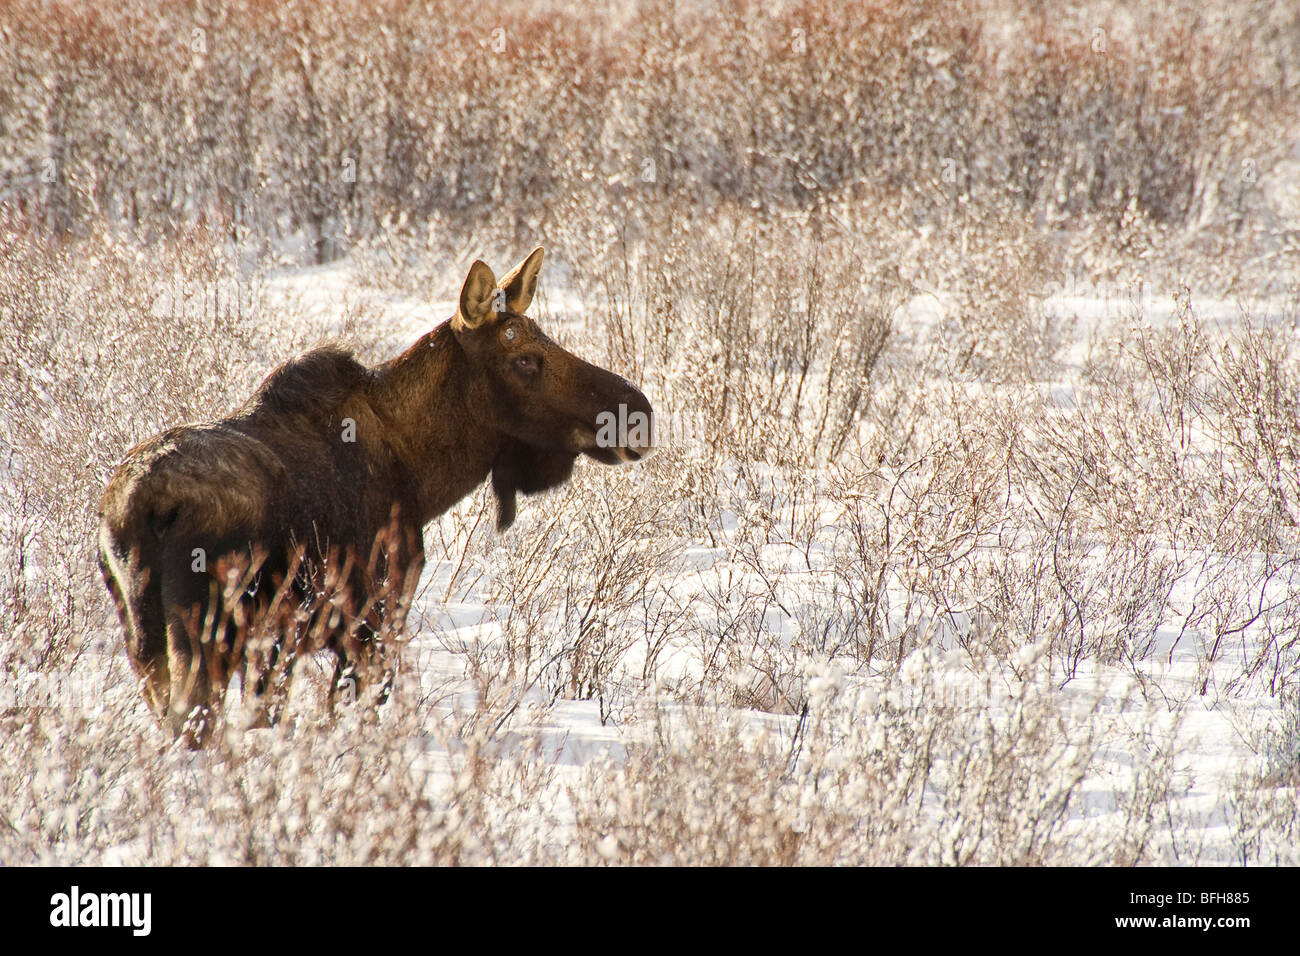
[(618, 455), (588, 441)]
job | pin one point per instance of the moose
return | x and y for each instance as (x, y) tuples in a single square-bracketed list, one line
[(305, 507)]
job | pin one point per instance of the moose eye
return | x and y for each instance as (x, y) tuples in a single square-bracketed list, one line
[(528, 365)]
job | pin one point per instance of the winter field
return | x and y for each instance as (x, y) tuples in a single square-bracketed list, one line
[(973, 531)]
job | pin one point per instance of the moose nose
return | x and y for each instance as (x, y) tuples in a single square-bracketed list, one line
[(640, 441)]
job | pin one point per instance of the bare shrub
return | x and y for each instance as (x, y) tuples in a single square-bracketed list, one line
[(1265, 799), (309, 793), (268, 123), (931, 766), (574, 592)]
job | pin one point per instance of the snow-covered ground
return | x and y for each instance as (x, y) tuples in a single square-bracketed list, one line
[(1168, 701)]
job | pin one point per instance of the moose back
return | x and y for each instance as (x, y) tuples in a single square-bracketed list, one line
[(301, 514)]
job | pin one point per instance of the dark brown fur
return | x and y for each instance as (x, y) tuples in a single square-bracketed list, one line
[(277, 483)]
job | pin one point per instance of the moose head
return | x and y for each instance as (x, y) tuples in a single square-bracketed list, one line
[(547, 405)]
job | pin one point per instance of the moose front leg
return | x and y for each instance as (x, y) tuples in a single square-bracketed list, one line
[(189, 712)]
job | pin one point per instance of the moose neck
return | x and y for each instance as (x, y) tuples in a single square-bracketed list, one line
[(421, 396)]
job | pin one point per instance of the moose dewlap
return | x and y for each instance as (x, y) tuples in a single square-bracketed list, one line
[(296, 523)]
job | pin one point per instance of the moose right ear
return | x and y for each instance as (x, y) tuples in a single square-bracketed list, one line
[(475, 296), (521, 283)]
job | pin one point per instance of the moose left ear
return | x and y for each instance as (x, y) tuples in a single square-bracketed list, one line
[(522, 468), (521, 283), (475, 297)]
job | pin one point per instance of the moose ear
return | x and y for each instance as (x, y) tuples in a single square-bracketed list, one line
[(476, 296), (522, 468), (521, 283)]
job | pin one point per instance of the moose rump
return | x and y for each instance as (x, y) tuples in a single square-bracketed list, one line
[(220, 544)]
